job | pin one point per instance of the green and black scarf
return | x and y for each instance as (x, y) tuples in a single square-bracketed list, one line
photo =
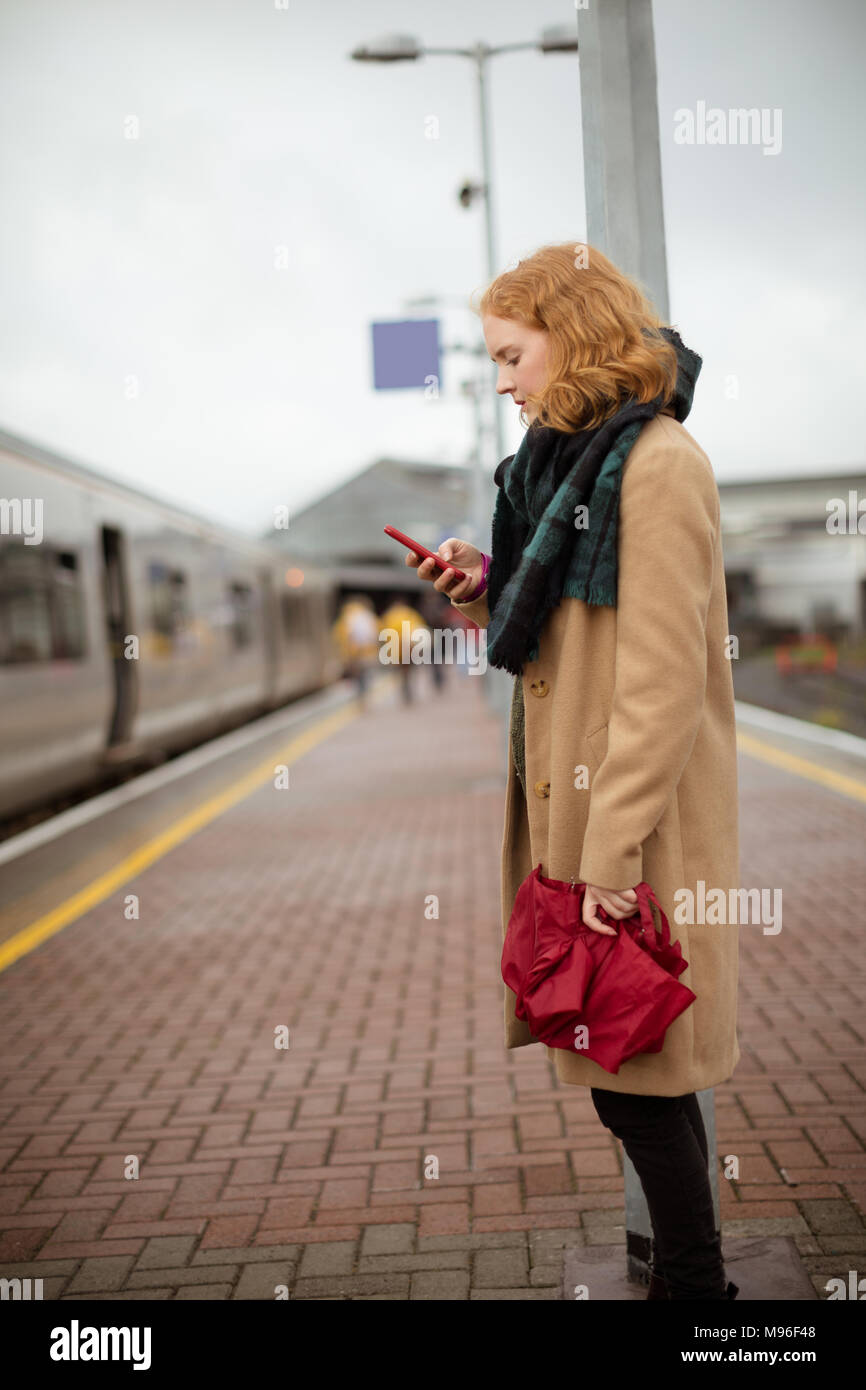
[(543, 549)]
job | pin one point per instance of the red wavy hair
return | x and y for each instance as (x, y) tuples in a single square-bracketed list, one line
[(604, 341)]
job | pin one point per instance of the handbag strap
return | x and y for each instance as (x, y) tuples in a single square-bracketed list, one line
[(645, 896)]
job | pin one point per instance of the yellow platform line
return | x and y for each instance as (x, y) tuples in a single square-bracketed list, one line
[(96, 892), (803, 767)]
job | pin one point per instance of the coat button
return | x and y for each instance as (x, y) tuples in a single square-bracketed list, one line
[(539, 687), (542, 789)]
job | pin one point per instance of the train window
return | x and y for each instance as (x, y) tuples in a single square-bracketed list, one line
[(66, 607), (291, 608), (169, 600), (41, 606), (25, 605), (241, 600)]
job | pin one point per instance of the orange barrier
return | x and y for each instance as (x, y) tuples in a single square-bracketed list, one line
[(812, 653)]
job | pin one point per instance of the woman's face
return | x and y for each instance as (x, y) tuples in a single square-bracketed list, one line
[(520, 352)]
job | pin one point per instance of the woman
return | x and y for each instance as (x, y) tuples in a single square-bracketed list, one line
[(356, 635), (605, 597)]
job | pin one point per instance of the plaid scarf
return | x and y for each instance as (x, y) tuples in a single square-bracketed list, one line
[(543, 549)]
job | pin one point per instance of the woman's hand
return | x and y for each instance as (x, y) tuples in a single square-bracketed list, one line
[(465, 556), (617, 903)]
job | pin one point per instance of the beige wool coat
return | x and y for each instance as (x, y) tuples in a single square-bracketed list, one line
[(642, 696)]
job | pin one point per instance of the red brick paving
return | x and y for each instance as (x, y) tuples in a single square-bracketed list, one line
[(306, 908)]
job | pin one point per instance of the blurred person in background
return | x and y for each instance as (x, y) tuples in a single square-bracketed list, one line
[(438, 612), (391, 621), (356, 633)]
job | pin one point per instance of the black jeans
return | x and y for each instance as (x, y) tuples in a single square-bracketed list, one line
[(665, 1139)]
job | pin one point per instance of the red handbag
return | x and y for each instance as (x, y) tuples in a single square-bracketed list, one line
[(608, 997)]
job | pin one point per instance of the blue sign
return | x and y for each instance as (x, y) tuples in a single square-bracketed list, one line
[(406, 354)]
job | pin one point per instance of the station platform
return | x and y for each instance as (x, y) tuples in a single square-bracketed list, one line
[(239, 1053)]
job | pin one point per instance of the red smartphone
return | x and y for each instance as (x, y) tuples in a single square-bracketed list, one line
[(422, 551)]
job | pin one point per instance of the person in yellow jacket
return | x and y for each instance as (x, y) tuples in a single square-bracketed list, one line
[(356, 634), (396, 637)]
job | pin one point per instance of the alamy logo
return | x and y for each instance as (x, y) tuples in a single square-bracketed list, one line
[(847, 519), (738, 126), (22, 516), (23, 1289), (836, 1288), (719, 907), (77, 1343), (442, 645)]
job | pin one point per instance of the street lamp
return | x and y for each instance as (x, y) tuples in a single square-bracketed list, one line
[(400, 48)]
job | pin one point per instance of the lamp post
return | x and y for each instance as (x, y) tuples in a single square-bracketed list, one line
[(397, 48), (400, 48)]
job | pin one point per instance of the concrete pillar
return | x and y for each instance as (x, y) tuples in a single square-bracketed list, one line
[(621, 161)]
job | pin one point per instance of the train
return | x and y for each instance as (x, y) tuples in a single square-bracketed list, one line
[(131, 629)]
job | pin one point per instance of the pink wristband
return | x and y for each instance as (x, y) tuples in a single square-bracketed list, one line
[(483, 584)]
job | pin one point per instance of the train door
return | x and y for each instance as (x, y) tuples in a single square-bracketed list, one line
[(117, 618)]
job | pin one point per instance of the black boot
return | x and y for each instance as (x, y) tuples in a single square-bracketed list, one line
[(658, 1285)]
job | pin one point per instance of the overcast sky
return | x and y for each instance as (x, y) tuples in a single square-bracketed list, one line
[(149, 332)]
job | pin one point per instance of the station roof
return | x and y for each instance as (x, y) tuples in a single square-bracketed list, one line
[(429, 502)]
